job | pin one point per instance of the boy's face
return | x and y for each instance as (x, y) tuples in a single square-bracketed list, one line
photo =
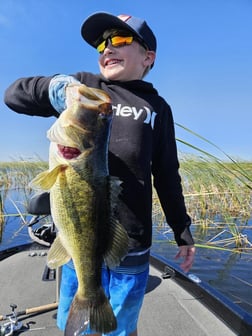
[(126, 62)]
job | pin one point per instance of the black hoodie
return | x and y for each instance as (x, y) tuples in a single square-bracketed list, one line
[(142, 144)]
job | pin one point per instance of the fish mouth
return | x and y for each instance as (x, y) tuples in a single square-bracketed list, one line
[(68, 152)]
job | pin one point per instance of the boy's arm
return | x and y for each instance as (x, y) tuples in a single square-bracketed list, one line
[(30, 96), (38, 96), (167, 181)]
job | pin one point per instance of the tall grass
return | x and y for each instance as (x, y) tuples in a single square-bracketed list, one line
[(218, 199), (1, 218), (17, 175), (14, 179), (212, 190), (217, 195)]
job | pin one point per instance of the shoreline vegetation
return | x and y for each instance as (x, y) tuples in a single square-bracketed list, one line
[(218, 196)]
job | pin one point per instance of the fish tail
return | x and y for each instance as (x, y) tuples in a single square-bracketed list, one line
[(94, 313)]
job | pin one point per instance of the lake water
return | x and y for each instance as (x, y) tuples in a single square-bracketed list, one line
[(229, 273)]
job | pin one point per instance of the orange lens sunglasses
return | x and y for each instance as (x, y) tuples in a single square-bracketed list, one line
[(116, 41)]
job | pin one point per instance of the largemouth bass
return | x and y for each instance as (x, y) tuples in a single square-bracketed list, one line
[(83, 197)]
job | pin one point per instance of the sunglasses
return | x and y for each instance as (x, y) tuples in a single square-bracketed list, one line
[(116, 41)]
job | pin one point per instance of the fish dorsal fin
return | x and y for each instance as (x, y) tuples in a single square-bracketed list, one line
[(47, 179), (57, 255), (118, 243)]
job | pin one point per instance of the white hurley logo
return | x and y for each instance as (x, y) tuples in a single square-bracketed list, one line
[(131, 111)]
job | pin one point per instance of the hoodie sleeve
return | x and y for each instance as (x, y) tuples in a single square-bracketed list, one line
[(30, 96), (57, 91), (167, 181), (43, 96)]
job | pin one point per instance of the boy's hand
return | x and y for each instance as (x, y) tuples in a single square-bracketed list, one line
[(187, 252), (72, 94)]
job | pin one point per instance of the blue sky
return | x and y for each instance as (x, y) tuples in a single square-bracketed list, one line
[(203, 67)]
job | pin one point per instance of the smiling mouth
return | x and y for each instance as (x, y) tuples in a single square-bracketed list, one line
[(112, 62), (68, 152)]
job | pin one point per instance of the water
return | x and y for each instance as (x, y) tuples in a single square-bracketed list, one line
[(15, 230), (229, 273)]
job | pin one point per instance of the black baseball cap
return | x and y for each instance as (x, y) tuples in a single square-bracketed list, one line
[(96, 24)]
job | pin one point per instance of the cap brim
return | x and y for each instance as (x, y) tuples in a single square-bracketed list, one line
[(96, 24)]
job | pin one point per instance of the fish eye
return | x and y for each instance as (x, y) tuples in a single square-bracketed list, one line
[(102, 115)]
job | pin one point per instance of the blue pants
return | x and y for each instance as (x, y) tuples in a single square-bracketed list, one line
[(125, 288)]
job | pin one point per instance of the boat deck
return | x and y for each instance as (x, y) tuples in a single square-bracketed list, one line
[(168, 308)]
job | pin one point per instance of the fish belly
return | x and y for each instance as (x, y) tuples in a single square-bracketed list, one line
[(81, 211)]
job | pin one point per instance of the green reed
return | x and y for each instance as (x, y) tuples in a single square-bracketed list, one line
[(211, 189), (15, 177), (1, 218), (217, 195), (218, 198)]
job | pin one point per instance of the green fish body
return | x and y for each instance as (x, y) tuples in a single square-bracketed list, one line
[(83, 198)]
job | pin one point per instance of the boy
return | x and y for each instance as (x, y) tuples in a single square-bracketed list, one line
[(142, 144)]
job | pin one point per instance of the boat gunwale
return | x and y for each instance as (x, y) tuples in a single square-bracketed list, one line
[(236, 318), (231, 314)]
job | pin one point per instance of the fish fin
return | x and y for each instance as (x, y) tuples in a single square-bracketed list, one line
[(115, 190), (96, 314), (57, 255), (118, 244), (46, 179)]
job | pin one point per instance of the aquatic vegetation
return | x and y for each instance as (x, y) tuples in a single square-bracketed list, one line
[(1, 218), (14, 186), (218, 198), (211, 190)]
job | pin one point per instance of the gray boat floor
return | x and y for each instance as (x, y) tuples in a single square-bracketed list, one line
[(167, 310)]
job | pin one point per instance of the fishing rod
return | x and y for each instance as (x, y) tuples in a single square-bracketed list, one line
[(8, 328), (34, 310)]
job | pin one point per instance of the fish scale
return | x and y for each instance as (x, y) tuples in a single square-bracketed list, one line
[(83, 200)]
